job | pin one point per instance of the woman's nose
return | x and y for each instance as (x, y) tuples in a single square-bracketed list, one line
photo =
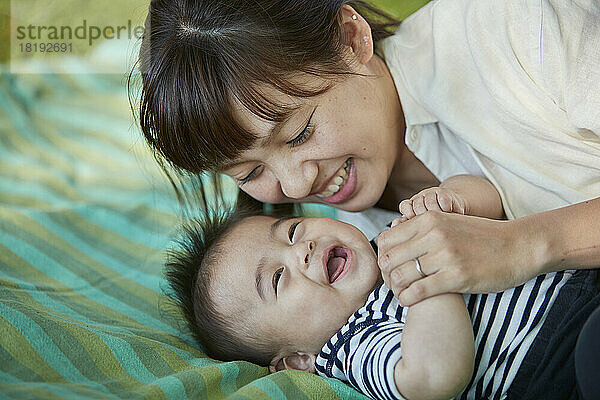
[(297, 181)]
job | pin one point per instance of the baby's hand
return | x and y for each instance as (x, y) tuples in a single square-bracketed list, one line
[(434, 198)]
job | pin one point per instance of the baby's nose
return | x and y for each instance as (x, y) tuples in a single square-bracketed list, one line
[(306, 252)]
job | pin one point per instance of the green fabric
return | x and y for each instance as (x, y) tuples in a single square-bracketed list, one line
[(85, 216)]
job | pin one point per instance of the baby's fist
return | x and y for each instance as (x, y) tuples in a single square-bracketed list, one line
[(434, 198)]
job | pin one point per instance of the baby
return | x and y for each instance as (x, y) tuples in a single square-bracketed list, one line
[(308, 294)]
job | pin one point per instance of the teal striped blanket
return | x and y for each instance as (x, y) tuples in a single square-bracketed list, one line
[(85, 216)]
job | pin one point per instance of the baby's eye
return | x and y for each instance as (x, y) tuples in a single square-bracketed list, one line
[(276, 277), (292, 230)]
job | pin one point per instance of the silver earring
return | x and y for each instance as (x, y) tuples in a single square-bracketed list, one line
[(354, 16)]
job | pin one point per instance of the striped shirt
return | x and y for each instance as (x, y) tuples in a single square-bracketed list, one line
[(365, 351)]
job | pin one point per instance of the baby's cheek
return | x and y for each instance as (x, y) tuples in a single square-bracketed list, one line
[(326, 328), (369, 268)]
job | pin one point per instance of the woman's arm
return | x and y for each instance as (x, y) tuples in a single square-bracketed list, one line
[(437, 349), (564, 238), (466, 254)]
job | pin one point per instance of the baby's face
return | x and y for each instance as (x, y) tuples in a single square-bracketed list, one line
[(300, 278)]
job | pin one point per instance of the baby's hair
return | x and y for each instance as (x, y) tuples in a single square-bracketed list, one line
[(200, 59), (189, 270)]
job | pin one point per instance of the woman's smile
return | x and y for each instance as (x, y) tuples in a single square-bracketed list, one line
[(341, 186)]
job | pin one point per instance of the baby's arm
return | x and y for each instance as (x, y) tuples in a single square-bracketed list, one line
[(463, 194), (437, 349)]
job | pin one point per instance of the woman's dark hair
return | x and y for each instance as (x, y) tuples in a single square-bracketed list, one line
[(200, 59), (190, 272)]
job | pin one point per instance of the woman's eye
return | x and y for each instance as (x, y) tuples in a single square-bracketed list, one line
[(276, 278), (302, 137), (292, 230), (250, 176), (305, 134)]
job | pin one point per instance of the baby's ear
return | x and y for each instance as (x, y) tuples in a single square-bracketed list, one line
[(299, 361)]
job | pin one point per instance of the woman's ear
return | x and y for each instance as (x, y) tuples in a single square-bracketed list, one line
[(358, 34), (299, 361)]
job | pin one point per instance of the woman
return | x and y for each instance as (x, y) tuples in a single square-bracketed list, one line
[(317, 102)]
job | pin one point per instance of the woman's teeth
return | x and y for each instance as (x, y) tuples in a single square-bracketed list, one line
[(338, 181)]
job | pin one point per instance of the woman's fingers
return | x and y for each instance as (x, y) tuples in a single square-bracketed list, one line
[(398, 233), (402, 276), (396, 238), (400, 256), (422, 289), (396, 258), (463, 254), (398, 220), (410, 287)]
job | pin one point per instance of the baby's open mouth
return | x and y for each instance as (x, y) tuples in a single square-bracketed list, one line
[(336, 260)]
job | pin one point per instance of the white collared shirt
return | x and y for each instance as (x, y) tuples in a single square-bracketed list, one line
[(508, 90)]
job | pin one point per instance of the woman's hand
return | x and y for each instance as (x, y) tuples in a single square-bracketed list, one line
[(434, 199), (457, 253)]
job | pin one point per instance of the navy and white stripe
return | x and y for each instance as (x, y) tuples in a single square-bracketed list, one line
[(366, 349)]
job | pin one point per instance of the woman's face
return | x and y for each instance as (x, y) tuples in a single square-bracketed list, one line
[(338, 148)]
